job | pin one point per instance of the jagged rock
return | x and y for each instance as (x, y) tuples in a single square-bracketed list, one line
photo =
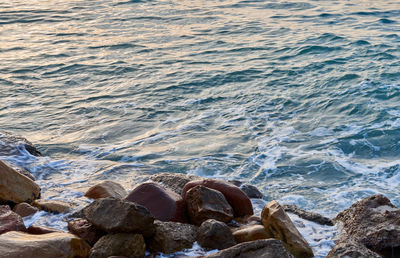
[(375, 223), (10, 143), (237, 199), (174, 181), (351, 249), (267, 248), (162, 203), (119, 244), (204, 203), (114, 215), (39, 230), (53, 245), (307, 215), (85, 230), (171, 237), (276, 221), (251, 233), (15, 187), (24, 209), (9, 220), (214, 234), (52, 206), (106, 189)]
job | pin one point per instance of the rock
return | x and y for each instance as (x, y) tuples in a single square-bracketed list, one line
[(24, 209), (237, 199), (85, 230), (172, 237), (53, 245), (375, 223), (174, 181), (251, 191), (267, 248), (204, 203), (251, 233), (162, 203), (9, 220), (276, 221), (24, 172), (351, 249), (52, 206), (214, 234), (114, 216), (106, 189), (10, 143), (15, 187), (39, 230), (119, 244), (307, 215)]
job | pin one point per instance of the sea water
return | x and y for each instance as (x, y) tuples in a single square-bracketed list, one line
[(299, 98)]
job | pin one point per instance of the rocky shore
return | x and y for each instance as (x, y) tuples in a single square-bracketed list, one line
[(171, 212)]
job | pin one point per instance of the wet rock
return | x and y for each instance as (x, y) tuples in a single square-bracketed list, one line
[(268, 248), (307, 215), (114, 215), (9, 220), (237, 199), (18, 244), (351, 249), (162, 203), (24, 209), (174, 181), (39, 230), (119, 244), (15, 187), (52, 206), (214, 234), (10, 144), (85, 230), (171, 237), (204, 203), (106, 189), (276, 221), (375, 223), (251, 191), (251, 233)]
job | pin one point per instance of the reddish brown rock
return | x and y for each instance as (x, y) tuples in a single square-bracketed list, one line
[(162, 203), (85, 230), (237, 199), (214, 234), (106, 189), (9, 220), (251, 233), (40, 230), (24, 209), (204, 203)]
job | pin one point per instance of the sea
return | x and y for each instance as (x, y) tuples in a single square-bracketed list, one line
[(299, 98)]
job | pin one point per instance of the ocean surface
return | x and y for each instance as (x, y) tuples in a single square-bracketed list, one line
[(299, 98)]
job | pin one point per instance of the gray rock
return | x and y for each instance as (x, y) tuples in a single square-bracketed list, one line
[(214, 234), (119, 244), (307, 215), (174, 181), (351, 249), (267, 248), (10, 143), (251, 191)]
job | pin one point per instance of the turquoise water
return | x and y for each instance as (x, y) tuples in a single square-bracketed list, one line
[(300, 99)]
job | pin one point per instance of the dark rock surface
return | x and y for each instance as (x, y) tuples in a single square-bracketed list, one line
[(119, 244), (9, 220), (307, 215), (351, 249), (205, 203), (85, 230), (268, 248), (174, 181), (214, 234), (10, 143), (40, 230), (114, 215)]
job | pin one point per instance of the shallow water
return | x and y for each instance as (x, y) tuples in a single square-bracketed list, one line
[(299, 98)]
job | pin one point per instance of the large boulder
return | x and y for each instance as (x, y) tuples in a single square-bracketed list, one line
[(15, 187), (251, 233), (307, 215), (85, 230), (276, 221), (375, 223), (204, 203), (53, 245), (237, 199), (269, 248), (10, 144), (171, 237), (351, 249), (162, 203), (119, 244), (106, 189), (173, 181), (9, 220), (52, 206), (24, 209), (214, 234), (114, 216)]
